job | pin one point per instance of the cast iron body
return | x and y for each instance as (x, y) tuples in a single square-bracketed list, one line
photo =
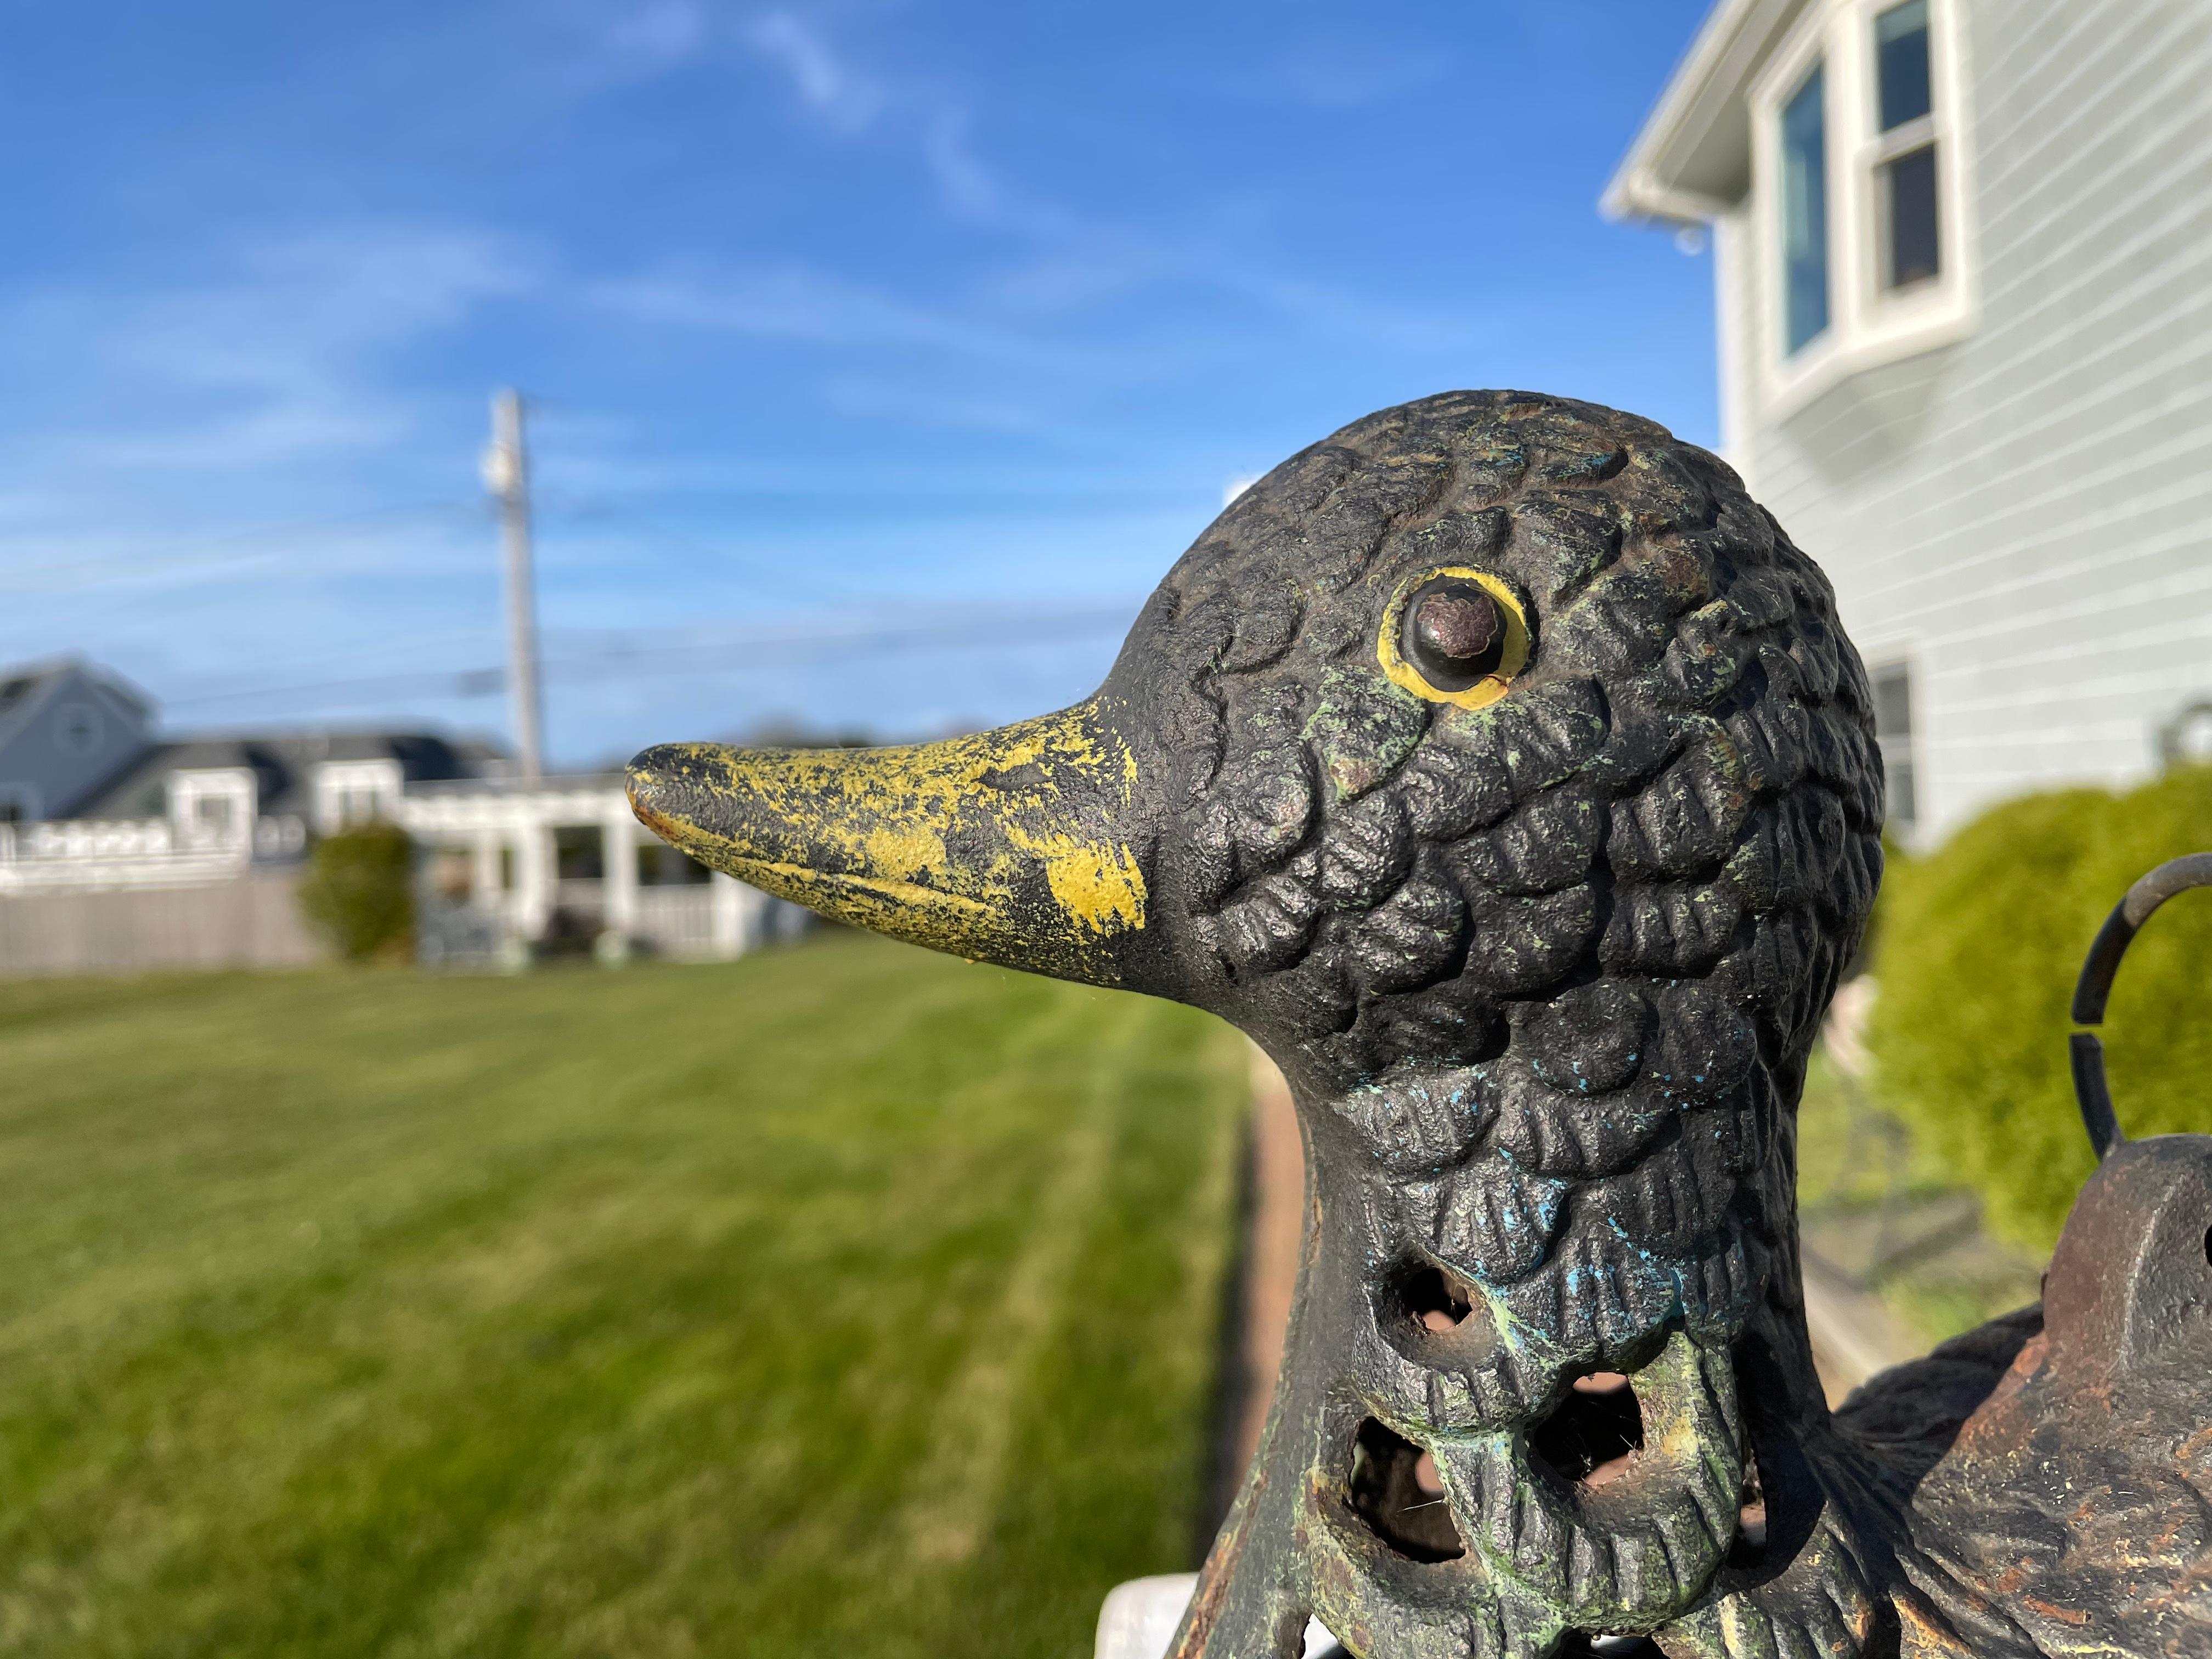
[(1498, 765)]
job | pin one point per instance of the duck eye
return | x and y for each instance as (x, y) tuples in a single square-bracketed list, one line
[(1455, 637), (1454, 633)]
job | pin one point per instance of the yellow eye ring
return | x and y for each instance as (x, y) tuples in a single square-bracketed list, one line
[(1512, 654)]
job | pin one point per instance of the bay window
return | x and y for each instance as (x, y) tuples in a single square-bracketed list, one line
[(1859, 193)]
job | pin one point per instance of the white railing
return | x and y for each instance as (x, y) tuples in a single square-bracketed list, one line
[(711, 920), (138, 853), (680, 922), (91, 854)]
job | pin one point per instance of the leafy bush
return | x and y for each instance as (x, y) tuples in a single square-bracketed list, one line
[(359, 892), (1982, 942)]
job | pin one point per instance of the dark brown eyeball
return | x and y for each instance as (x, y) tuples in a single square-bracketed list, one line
[(1454, 633)]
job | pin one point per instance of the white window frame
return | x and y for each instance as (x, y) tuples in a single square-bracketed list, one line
[(339, 784), (1868, 324), (234, 786), (1904, 660)]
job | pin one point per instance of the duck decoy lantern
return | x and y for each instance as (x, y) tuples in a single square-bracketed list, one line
[(1498, 765)]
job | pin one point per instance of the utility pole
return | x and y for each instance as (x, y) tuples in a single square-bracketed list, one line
[(507, 476)]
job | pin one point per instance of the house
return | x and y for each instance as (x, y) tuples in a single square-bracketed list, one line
[(1963, 262), (107, 813), (184, 811), (278, 786), (66, 729)]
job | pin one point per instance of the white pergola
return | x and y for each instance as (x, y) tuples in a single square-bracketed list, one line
[(490, 817)]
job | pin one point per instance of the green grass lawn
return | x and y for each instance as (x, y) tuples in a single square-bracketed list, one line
[(844, 1300)]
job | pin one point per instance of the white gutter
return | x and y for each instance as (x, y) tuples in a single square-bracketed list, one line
[(1706, 89)]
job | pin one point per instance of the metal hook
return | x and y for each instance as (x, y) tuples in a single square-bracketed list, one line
[(2095, 985)]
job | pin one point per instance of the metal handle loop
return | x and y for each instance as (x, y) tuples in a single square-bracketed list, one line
[(2091, 991)]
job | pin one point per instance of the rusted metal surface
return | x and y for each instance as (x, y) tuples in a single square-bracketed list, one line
[(1457, 635), (1540, 925), (2074, 1513)]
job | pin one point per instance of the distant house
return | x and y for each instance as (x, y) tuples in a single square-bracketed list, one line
[(104, 807), (66, 730), (281, 786), (1963, 251)]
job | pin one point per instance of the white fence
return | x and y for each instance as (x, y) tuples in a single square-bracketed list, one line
[(92, 855), (713, 920), (679, 922), (251, 920), (90, 896)]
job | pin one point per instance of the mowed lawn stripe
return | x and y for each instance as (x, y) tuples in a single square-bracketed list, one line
[(955, 1492), (1067, 1467), (591, 1312)]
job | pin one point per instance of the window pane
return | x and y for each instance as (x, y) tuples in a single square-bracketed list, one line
[(1892, 736), (1914, 251), (1893, 702), (578, 851), (1805, 214), (1900, 37), (1903, 806)]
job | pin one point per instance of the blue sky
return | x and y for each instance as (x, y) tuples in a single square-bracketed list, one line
[(835, 318)]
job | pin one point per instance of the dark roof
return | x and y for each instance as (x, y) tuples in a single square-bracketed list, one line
[(21, 684), (284, 765), (17, 688)]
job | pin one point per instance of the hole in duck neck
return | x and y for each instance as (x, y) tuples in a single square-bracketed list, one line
[(1748, 1549), (1590, 1435), (1436, 1301), (1396, 1491)]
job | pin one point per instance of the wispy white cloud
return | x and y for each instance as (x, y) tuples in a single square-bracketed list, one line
[(853, 102), (227, 448), (824, 80), (595, 47), (270, 355), (657, 34), (801, 306)]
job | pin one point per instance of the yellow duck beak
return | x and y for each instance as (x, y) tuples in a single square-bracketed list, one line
[(1014, 846)]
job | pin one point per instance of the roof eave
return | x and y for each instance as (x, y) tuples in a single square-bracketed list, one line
[(1639, 193), (1668, 172)]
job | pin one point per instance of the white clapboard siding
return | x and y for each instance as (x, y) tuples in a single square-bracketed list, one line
[(2027, 515)]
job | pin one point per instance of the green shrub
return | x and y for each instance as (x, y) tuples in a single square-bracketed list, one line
[(1981, 944), (359, 892)]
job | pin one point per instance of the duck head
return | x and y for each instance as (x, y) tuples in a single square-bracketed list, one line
[(1499, 766)]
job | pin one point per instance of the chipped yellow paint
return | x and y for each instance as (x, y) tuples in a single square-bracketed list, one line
[(1004, 845), (1484, 691), (1097, 883), (904, 850)]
